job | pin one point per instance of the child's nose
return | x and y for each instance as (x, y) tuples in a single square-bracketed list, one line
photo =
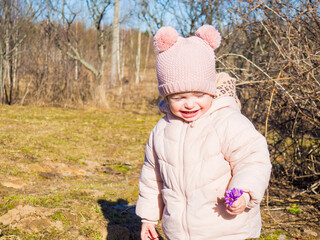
[(189, 103)]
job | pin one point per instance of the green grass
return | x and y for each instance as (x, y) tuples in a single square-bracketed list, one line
[(275, 235)]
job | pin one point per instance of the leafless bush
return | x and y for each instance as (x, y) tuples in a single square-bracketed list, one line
[(274, 50)]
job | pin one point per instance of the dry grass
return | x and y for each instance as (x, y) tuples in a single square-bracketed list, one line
[(74, 162)]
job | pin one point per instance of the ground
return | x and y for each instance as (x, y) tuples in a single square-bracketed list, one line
[(73, 174)]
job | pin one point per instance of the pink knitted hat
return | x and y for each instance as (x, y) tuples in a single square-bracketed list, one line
[(186, 64)]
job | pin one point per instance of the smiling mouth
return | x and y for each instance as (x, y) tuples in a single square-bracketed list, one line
[(189, 113)]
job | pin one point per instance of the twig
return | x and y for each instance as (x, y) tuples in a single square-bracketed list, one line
[(261, 81), (307, 176), (260, 69), (273, 40), (276, 209), (313, 121), (312, 188), (269, 109)]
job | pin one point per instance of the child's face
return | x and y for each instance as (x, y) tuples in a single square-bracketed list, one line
[(189, 106)]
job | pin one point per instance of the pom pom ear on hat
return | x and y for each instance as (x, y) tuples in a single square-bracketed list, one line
[(165, 38), (210, 35)]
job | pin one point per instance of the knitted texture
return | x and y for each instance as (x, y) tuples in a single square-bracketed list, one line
[(210, 35), (226, 86), (186, 64), (165, 38)]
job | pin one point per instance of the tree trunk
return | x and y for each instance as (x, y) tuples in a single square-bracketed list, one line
[(1, 82), (100, 93), (138, 56), (1, 76), (76, 68), (8, 67), (146, 58), (115, 46)]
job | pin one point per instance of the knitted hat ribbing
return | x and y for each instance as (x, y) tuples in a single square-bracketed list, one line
[(186, 64)]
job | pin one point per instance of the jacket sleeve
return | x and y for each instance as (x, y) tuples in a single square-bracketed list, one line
[(150, 204), (247, 152)]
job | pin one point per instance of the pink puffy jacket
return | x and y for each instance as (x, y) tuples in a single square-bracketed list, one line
[(188, 167)]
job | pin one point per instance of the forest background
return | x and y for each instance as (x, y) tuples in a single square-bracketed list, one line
[(99, 54)]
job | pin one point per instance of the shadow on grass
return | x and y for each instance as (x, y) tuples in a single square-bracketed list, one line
[(123, 224)]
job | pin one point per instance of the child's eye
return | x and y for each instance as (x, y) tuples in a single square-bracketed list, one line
[(176, 98), (199, 95)]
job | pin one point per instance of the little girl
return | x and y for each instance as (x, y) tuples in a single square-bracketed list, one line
[(202, 147)]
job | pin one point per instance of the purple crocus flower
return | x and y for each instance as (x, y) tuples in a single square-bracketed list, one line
[(232, 195)]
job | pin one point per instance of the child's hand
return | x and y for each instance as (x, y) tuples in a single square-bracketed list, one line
[(148, 231), (237, 207)]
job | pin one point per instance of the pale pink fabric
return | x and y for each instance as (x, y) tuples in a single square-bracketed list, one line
[(186, 64), (188, 167), (165, 38), (210, 35)]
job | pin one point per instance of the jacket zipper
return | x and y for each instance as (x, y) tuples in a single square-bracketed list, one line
[(184, 188)]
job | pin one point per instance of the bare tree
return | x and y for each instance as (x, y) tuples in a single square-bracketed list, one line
[(138, 56), (115, 45), (191, 14), (155, 13), (15, 20), (185, 15), (66, 41)]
